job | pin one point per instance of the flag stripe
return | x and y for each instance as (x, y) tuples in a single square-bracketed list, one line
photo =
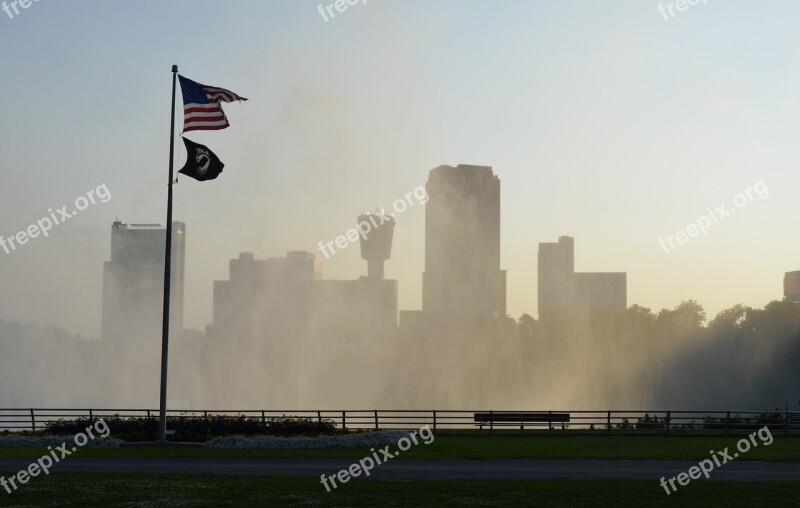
[(192, 123), (224, 121), (202, 107), (206, 128), (209, 114)]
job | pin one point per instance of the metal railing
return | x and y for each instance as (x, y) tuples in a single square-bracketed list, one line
[(601, 422)]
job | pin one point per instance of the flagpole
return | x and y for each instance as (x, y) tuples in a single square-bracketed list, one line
[(162, 430)]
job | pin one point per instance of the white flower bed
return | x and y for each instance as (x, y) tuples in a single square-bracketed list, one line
[(356, 440), (45, 441)]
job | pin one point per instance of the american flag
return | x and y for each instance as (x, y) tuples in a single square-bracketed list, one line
[(202, 110)]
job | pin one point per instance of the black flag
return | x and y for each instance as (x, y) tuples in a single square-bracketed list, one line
[(201, 163)]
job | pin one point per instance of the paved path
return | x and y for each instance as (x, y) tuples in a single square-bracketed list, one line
[(426, 470)]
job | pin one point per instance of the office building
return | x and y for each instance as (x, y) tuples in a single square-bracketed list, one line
[(565, 293), (264, 297), (462, 244), (285, 299), (791, 286), (133, 282)]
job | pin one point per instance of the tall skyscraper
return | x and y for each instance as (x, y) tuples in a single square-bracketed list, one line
[(562, 292), (462, 244), (791, 286), (133, 282)]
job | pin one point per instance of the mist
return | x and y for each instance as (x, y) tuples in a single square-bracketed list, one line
[(601, 121)]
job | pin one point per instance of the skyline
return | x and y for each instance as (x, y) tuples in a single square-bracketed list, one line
[(323, 260), (406, 297), (604, 122), (423, 201)]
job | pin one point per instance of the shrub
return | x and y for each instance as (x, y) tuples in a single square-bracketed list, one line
[(651, 423), (296, 426), (198, 428), (624, 425)]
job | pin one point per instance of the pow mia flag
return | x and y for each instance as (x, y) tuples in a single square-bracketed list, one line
[(201, 163)]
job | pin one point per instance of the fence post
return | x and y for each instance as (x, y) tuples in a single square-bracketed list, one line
[(728, 423), (434, 421), (491, 421), (669, 414), (344, 420), (148, 413), (33, 421), (522, 423), (377, 427), (91, 416), (319, 416), (786, 423), (263, 419), (608, 423), (550, 422)]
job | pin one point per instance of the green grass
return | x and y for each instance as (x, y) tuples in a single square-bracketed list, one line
[(95, 490), (493, 447)]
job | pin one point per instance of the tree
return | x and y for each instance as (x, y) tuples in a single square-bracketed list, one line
[(730, 318), (527, 326)]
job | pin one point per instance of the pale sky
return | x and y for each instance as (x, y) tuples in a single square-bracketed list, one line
[(604, 121)]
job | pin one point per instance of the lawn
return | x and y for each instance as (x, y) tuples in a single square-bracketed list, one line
[(494, 447), (95, 490)]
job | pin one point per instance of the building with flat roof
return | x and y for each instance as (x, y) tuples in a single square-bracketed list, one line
[(600, 292), (556, 272), (563, 292), (285, 299), (264, 297), (133, 281), (363, 310), (791, 286), (462, 244)]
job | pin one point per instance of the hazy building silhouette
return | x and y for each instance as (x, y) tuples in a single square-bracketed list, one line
[(133, 281), (358, 310), (556, 272), (376, 245), (264, 297), (563, 292), (791, 286), (364, 309), (282, 300), (600, 291), (462, 244)]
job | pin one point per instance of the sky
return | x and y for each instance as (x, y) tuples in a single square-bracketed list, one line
[(605, 121)]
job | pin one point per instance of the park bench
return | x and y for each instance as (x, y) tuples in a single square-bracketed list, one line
[(520, 419)]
